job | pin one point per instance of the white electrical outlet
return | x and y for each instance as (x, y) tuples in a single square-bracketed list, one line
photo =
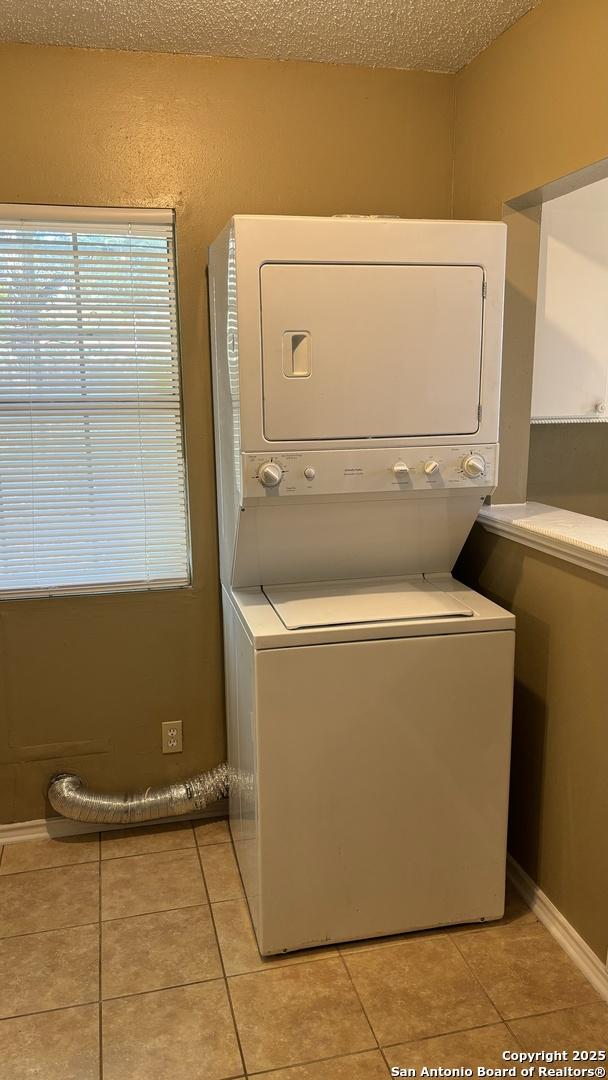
[(172, 737)]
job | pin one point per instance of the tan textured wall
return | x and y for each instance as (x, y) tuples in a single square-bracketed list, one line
[(530, 109), (558, 829), (569, 467), (521, 283), (85, 682)]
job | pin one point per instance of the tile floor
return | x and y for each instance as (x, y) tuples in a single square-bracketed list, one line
[(131, 956)]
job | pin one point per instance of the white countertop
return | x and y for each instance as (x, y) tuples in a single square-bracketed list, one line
[(573, 537)]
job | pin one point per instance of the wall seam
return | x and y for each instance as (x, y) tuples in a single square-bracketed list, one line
[(453, 177)]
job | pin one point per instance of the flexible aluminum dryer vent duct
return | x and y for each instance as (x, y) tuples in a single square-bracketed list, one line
[(70, 797)]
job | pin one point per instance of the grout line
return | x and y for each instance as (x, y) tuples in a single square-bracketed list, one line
[(161, 989), (369, 1050), (390, 941), (356, 992), (548, 1012), (59, 866), (492, 927), (49, 929), (160, 911), (228, 899), (148, 854), (224, 899), (524, 926), (563, 1008), (314, 1061), (221, 959), (136, 854), (243, 895), (276, 968), (443, 1034), (596, 1000), (154, 911), (384, 1057), (513, 1035), (231, 900), (45, 1012), (52, 930), (474, 974), (278, 961), (115, 918)]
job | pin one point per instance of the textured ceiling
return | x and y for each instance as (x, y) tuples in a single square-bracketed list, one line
[(429, 35)]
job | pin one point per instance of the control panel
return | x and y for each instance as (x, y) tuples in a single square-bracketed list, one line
[(340, 472)]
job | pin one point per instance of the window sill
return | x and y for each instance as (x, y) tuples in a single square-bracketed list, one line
[(112, 589), (575, 538)]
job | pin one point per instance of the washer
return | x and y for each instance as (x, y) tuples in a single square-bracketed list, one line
[(356, 379)]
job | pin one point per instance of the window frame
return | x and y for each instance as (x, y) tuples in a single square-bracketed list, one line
[(73, 216)]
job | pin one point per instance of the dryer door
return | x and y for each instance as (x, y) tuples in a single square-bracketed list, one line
[(369, 351)]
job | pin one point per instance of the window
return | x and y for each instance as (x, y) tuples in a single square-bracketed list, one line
[(92, 474)]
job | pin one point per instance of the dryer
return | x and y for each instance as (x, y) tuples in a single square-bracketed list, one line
[(356, 370)]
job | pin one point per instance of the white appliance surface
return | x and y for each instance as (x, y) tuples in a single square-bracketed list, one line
[(375, 772), (264, 628), (356, 370), (353, 359), (326, 328), (336, 602)]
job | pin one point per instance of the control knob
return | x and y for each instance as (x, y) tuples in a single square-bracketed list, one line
[(401, 470), (431, 468), (270, 474), (473, 466)]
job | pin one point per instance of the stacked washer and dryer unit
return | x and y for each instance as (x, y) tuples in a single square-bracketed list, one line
[(356, 373)]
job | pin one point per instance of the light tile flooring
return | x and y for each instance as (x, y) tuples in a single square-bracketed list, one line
[(131, 956)]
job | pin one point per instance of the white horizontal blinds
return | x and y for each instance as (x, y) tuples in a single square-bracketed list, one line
[(92, 477)]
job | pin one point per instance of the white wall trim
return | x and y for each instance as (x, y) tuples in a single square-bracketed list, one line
[(85, 214), (571, 942), (507, 520), (57, 826)]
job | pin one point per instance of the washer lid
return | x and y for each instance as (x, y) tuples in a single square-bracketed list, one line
[(336, 603)]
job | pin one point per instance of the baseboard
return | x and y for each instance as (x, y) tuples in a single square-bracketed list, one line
[(58, 826), (571, 942)]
